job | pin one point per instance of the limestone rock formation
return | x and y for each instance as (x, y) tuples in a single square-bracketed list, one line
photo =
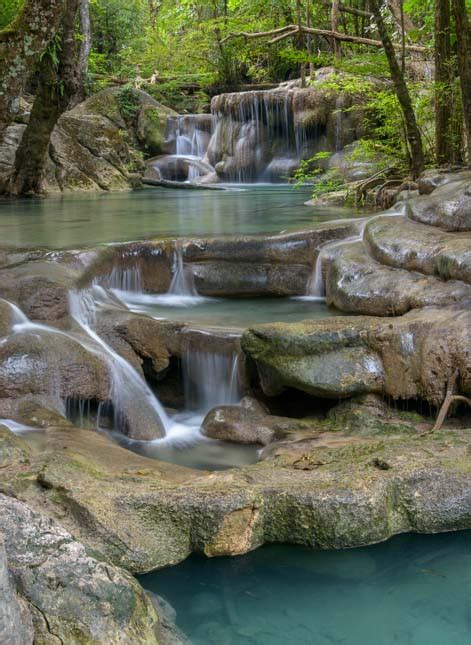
[(16, 626), (97, 144), (408, 357), (449, 206), (72, 596)]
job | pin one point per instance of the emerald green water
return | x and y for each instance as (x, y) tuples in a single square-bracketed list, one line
[(236, 313), (71, 221), (411, 590)]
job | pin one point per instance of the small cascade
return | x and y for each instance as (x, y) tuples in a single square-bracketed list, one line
[(133, 401), (210, 378), (315, 287), (125, 279), (17, 316), (182, 281), (192, 135)]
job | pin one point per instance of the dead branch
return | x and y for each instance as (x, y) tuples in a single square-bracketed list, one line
[(448, 400), (292, 30)]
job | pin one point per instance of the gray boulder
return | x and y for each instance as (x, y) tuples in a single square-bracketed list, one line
[(74, 597), (16, 626)]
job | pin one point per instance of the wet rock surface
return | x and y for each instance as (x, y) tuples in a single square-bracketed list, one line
[(405, 357), (16, 626)]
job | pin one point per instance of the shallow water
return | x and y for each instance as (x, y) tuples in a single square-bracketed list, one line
[(238, 313), (411, 590), (74, 221)]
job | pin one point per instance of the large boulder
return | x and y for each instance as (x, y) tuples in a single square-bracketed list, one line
[(408, 357), (357, 283), (99, 144), (448, 207), (72, 596), (401, 243)]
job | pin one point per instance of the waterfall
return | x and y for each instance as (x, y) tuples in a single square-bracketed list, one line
[(210, 378), (190, 139), (133, 401), (182, 280), (125, 279)]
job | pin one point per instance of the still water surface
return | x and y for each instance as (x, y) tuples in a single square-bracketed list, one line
[(411, 590), (74, 221)]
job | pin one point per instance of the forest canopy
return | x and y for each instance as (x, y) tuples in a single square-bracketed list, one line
[(409, 59)]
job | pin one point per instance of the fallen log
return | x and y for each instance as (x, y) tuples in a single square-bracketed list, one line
[(186, 185)]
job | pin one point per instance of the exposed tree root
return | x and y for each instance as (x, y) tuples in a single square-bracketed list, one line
[(448, 400)]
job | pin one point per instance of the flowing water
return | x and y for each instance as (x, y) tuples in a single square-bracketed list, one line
[(75, 221), (411, 590)]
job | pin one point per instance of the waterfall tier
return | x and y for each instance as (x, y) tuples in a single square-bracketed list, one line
[(259, 135)]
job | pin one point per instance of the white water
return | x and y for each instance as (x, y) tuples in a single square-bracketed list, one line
[(128, 279), (210, 378), (129, 389), (182, 291), (18, 428)]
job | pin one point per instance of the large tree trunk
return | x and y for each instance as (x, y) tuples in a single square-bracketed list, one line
[(21, 44), (463, 46), (414, 139), (443, 109), (58, 85)]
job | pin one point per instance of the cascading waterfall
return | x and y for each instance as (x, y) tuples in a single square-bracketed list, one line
[(315, 287), (182, 281), (125, 279), (210, 378), (133, 400)]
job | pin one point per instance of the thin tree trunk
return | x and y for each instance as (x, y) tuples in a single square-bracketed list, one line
[(463, 46), (21, 44), (334, 21), (443, 109), (414, 139), (397, 12), (58, 86), (300, 41), (85, 48)]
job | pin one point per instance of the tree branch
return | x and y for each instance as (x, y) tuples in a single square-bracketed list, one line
[(291, 30)]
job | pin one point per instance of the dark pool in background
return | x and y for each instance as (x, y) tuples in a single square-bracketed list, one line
[(411, 590)]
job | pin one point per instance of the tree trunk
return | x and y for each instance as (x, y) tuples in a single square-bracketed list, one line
[(414, 139), (85, 48), (21, 44), (58, 85), (463, 46), (401, 20), (334, 21), (443, 109)]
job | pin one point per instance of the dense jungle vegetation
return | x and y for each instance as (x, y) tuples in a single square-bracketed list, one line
[(409, 60)]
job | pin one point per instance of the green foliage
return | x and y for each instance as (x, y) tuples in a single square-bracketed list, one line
[(8, 11), (128, 102)]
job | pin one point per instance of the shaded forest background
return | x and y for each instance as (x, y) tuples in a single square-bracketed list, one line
[(409, 61)]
